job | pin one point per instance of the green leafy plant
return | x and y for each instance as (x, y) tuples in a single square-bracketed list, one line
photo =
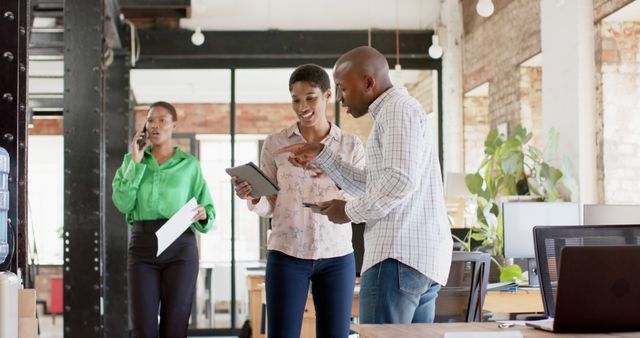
[(513, 166)]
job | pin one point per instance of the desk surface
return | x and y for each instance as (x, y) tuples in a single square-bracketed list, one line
[(439, 330), (521, 301)]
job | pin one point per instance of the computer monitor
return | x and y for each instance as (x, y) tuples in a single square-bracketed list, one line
[(519, 218), (607, 214)]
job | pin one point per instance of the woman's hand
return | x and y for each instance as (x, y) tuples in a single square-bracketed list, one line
[(201, 214), (243, 190), (135, 150)]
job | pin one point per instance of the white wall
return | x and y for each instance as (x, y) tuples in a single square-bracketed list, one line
[(46, 199), (568, 86)]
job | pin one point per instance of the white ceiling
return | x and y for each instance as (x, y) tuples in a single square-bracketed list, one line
[(630, 12), (257, 85), (311, 15)]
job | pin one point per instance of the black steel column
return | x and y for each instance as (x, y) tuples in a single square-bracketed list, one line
[(83, 166), (116, 133), (12, 128), (9, 86), (232, 131), (22, 224)]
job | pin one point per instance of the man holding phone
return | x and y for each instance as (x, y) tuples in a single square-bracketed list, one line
[(399, 194)]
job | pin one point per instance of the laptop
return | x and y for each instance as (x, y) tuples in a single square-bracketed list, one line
[(598, 290)]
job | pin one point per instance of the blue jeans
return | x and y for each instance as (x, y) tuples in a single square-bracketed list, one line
[(287, 284), (393, 293)]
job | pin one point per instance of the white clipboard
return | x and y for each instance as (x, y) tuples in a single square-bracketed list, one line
[(176, 225)]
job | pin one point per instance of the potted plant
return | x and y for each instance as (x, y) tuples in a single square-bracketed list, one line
[(513, 169)]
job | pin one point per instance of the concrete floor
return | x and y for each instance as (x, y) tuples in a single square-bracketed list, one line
[(50, 327)]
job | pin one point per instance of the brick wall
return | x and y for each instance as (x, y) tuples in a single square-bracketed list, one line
[(504, 98), (214, 119), (43, 282), (250, 119), (47, 127), (493, 50), (620, 67), (602, 8), (531, 103), (501, 42), (476, 128)]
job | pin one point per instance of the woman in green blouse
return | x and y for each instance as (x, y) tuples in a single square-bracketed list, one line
[(153, 182)]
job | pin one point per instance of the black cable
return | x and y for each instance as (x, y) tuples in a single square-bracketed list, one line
[(12, 248)]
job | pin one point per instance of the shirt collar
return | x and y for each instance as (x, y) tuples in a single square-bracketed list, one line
[(179, 154), (334, 132), (376, 106), (293, 130)]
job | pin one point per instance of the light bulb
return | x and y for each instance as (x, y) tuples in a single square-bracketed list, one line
[(484, 8), (435, 51), (197, 38)]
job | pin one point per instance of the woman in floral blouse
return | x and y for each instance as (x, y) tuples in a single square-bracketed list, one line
[(305, 246)]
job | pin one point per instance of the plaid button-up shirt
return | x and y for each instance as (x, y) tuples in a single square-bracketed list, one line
[(399, 192)]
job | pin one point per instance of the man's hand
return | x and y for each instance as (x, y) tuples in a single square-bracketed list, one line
[(302, 154), (334, 209)]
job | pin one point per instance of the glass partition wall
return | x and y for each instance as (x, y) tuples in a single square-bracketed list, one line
[(224, 116)]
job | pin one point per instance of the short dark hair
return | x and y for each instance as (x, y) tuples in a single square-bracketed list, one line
[(166, 105), (311, 73)]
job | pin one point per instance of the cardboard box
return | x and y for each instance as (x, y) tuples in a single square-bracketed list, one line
[(27, 328), (27, 303)]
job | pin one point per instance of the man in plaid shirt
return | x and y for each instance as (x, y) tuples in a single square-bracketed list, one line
[(399, 194)]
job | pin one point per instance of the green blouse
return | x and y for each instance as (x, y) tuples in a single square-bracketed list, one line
[(148, 191)]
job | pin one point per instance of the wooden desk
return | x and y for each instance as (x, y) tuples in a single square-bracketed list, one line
[(255, 285), (439, 330), (521, 301)]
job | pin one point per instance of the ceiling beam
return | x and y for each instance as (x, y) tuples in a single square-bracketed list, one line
[(46, 8), (269, 49), (156, 8)]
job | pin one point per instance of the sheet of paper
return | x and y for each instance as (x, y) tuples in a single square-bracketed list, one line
[(176, 225), (511, 323)]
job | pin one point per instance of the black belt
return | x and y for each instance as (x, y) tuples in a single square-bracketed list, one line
[(150, 226)]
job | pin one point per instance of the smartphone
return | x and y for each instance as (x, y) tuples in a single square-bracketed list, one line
[(143, 140), (314, 207)]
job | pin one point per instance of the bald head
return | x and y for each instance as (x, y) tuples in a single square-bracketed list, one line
[(361, 75), (366, 61)]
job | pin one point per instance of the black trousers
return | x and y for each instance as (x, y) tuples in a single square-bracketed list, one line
[(165, 283)]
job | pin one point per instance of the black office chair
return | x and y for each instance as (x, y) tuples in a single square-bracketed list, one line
[(549, 241), (462, 298)]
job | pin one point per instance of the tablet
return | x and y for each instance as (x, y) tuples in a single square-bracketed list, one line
[(249, 172), (314, 207)]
